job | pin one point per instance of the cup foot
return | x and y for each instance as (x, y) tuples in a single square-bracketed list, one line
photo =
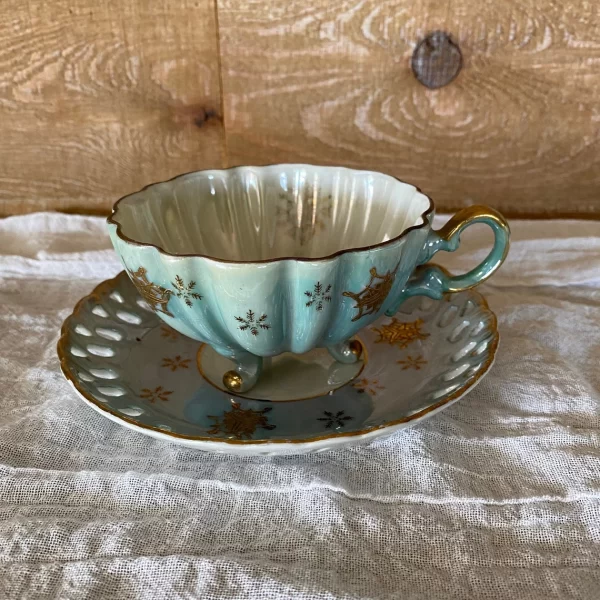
[(245, 374), (283, 378), (347, 352), (233, 381)]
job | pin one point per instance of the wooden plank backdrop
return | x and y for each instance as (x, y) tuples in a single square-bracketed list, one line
[(330, 81), (97, 99)]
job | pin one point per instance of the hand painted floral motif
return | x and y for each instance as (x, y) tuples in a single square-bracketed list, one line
[(155, 296), (334, 420), (239, 422), (168, 333), (371, 298), (318, 296), (185, 292), (370, 386), (399, 333), (252, 323), (303, 218), (175, 363), (411, 362), (158, 393)]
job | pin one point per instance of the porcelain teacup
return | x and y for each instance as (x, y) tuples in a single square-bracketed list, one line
[(258, 261)]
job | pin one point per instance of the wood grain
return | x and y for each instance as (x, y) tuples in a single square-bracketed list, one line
[(329, 81), (99, 98)]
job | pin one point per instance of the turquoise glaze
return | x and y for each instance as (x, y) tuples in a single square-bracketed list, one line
[(434, 282), (184, 243)]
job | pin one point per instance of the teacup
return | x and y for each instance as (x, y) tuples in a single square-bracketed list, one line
[(257, 261)]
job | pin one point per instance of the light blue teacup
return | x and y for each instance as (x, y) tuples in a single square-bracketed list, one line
[(257, 261)]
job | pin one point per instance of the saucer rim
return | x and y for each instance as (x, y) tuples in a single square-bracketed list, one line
[(362, 434), (426, 216)]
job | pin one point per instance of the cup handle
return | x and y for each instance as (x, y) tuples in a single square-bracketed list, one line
[(433, 281)]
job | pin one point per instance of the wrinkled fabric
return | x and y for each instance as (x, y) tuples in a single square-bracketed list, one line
[(496, 497)]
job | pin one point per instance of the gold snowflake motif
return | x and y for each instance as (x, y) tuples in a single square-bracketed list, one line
[(367, 385), (302, 219), (318, 296), (369, 300), (156, 297), (168, 333), (185, 292), (398, 333), (158, 393), (411, 362), (239, 422), (175, 363), (252, 323)]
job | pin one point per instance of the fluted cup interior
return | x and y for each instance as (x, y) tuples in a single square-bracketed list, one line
[(265, 213)]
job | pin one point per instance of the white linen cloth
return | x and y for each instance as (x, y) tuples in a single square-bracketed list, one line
[(496, 497)]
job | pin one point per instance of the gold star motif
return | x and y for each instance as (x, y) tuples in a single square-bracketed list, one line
[(168, 333), (370, 386), (158, 393), (399, 333), (175, 363), (239, 422), (412, 363)]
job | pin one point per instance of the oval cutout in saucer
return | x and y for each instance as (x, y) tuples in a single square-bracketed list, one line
[(156, 388)]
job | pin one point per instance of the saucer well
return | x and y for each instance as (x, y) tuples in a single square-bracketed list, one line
[(131, 367)]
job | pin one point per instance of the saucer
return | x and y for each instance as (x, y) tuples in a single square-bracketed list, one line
[(132, 368)]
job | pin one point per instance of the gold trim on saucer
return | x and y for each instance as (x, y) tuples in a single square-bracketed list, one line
[(109, 284)]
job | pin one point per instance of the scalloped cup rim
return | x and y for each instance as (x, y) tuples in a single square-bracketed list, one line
[(424, 217)]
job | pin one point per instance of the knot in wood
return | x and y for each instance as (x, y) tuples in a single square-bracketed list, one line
[(437, 60)]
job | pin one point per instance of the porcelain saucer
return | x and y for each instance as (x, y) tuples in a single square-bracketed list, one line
[(132, 368)]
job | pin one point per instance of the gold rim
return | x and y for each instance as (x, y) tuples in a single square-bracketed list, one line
[(109, 284), (463, 219), (425, 217), (365, 360)]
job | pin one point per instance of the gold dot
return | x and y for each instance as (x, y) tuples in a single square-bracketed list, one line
[(356, 348), (233, 381)]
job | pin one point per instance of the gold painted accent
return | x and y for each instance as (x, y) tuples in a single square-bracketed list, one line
[(107, 286), (399, 333), (367, 385), (175, 363), (464, 218), (185, 292), (411, 362), (365, 362), (240, 422), (252, 323), (233, 381), (369, 300), (356, 348), (168, 333), (318, 295), (158, 393), (336, 419), (156, 297)]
